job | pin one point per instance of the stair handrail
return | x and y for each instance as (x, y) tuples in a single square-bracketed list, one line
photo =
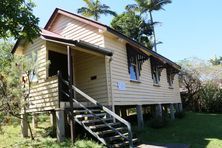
[(108, 111), (88, 110)]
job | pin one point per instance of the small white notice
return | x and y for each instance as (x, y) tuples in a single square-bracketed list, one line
[(121, 85)]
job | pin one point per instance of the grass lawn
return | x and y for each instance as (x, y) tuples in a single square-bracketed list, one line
[(10, 137), (196, 129)]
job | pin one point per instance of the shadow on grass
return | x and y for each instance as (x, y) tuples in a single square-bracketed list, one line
[(195, 129)]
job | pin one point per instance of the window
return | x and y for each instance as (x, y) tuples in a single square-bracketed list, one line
[(170, 76), (170, 80), (135, 60), (134, 71), (33, 76), (156, 68), (156, 75)]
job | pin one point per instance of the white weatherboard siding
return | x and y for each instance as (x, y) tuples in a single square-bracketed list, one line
[(44, 94), (142, 92), (87, 66), (76, 30), (38, 47)]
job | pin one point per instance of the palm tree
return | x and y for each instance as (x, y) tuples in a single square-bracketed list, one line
[(148, 6), (95, 9)]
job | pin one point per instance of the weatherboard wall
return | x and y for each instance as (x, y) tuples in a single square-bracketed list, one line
[(143, 91), (76, 30), (44, 93)]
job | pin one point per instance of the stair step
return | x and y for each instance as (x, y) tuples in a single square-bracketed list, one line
[(112, 138), (97, 120), (85, 111), (103, 125), (90, 115), (109, 131), (124, 143)]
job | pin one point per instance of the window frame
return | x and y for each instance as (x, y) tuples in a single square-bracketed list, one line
[(156, 75), (170, 77), (170, 80), (136, 70)]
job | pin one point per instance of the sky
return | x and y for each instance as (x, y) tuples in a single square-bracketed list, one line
[(191, 28)]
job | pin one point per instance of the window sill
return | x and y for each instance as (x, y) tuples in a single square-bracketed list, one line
[(135, 81), (170, 87), (156, 85)]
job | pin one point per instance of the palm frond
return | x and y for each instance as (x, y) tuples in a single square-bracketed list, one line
[(132, 7), (104, 6), (157, 4), (95, 9), (85, 12), (108, 12), (89, 3)]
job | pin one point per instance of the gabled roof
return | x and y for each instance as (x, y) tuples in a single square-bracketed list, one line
[(110, 30), (46, 34)]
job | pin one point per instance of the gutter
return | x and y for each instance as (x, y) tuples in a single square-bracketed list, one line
[(78, 43)]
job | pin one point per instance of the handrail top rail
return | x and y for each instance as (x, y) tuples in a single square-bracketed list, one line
[(100, 105)]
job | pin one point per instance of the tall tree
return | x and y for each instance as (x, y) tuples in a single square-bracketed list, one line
[(147, 7), (17, 20), (95, 9)]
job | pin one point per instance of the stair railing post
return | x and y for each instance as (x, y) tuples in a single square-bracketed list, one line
[(59, 74), (71, 94)]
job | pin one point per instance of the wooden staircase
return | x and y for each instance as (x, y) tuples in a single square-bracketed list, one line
[(104, 127), (109, 128)]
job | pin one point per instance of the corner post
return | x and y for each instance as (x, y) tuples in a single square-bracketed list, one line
[(59, 74), (71, 92), (34, 120), (180, 107), (172, 112), (139, 111), (53, 120), (159, 110), (177, 107), (60, 125)]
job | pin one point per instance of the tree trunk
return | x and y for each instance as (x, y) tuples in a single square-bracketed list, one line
[(154, 34)]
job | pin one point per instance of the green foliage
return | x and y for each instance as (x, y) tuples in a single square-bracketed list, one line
[(211, 95), (11, 137), (95, 9), (87, 143), (15, 82), (17, 20), (145, 7), (134, 27), (216, 61)]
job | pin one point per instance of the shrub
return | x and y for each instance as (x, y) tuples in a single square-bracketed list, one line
[(180, 115), (211, 94), (49, 132)]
